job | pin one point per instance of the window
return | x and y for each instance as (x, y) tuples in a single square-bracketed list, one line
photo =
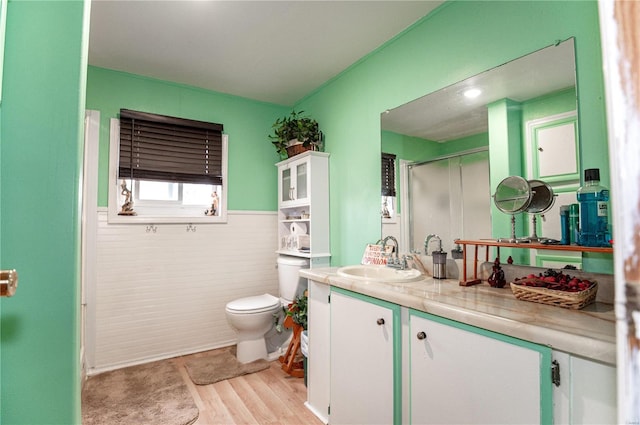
[(388, 186), (167, 169)]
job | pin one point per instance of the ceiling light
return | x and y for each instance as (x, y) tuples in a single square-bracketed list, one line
[(472, 93)]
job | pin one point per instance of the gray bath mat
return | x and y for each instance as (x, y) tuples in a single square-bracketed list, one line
[(219, 365), (153, 394)]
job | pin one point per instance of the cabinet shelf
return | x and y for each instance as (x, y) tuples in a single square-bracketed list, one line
[(303, 254), (295, 220), (493, 242)]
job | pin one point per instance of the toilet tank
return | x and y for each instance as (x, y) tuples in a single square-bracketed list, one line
[(291, 284)]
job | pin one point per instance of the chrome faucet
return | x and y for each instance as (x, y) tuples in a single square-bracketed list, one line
[(393, 257), (428, 239)]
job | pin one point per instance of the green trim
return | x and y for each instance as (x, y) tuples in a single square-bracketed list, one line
[(397, 346), (560, 258), (546, 390)]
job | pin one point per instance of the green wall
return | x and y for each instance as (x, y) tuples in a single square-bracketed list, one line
[(252, 174), (461, 39), (41, 149)]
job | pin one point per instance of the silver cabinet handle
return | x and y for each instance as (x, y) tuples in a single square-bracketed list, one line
[(380, 321), (8, 282), (421, 335)]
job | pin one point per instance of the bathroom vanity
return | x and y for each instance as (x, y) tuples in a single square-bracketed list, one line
[(432, 351)]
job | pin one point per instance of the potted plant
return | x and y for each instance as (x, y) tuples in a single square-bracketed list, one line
[(295, 133), (298, 311), (295, 319)]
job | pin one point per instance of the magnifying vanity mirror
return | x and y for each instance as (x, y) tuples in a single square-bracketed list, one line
[(542, 199), (513, 196), (516, 195), (451, 134)]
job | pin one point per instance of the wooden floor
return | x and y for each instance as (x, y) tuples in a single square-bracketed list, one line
[(266, 397)]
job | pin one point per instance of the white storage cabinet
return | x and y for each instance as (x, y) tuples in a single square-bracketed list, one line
[(461, 374), (303, 201), (365, 360), (586, 391)]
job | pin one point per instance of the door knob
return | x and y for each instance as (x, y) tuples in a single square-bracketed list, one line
[(421, 335), (8, 282), (380, 321)]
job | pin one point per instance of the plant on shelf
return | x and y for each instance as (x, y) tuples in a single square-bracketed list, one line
[(295, 133)]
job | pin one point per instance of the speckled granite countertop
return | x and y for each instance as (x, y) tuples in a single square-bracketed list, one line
[(589, 332)]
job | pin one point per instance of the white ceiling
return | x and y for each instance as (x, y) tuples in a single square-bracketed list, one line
[(272, 51)]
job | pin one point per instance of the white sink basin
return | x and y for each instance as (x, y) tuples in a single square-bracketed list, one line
[(380, 273)]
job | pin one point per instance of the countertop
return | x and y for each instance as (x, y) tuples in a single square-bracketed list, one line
[(589, 332)]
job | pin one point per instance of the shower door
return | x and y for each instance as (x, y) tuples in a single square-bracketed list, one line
[(450, 197)]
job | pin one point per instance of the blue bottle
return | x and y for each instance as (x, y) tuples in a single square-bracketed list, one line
[(594, 210), (564, 225)]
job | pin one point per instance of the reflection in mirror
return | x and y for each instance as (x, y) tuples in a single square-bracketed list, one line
[(448, 126), (449, 198), (513, 196), (516, 195)]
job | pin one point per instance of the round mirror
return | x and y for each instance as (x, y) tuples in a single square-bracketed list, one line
[(513, 195), (541, 198)]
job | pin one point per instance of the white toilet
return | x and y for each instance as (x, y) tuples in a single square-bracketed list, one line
[(253, 317)]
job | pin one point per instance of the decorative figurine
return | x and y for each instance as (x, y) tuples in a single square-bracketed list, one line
[(497, 279), (385, 210), (127, 207), (214, 205)]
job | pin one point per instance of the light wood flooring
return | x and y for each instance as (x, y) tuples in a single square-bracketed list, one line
[(266, 397)]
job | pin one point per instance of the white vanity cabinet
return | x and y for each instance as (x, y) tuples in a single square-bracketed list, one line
[(303, 207), (586, 391), (462, 374), (365, 360)]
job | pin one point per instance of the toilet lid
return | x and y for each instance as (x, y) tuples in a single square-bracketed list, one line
[(256, 304)]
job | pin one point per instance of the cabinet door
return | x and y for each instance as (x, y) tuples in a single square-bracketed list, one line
[(286, 184), (294, 182), (554, 148), (364, 360), (319, 346), (459, 376), (587, 392), (302, 180)]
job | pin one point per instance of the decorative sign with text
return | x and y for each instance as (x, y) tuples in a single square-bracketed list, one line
[(375, 255)]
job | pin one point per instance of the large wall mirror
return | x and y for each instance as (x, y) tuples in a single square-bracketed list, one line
[(441, 142)]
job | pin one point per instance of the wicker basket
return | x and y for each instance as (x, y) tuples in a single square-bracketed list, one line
[(572, 300), (297, 149)]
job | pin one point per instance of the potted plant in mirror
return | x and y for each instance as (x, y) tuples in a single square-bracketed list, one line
[(295, 133)]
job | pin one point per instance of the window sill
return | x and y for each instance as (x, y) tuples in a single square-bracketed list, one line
[(151, 219)]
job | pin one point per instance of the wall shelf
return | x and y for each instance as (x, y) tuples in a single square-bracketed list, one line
[(525, 245)]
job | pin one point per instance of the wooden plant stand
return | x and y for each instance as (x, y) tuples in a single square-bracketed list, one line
[(291, 361)]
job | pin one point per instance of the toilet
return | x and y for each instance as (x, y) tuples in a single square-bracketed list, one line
[(253, 317)]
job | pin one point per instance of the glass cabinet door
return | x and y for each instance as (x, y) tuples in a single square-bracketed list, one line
[(301, 181), (287, 189)]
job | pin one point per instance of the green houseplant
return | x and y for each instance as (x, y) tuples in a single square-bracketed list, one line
[(295, 133), (298, 311)]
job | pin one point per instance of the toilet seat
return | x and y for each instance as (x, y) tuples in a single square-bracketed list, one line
[(255, 304)]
